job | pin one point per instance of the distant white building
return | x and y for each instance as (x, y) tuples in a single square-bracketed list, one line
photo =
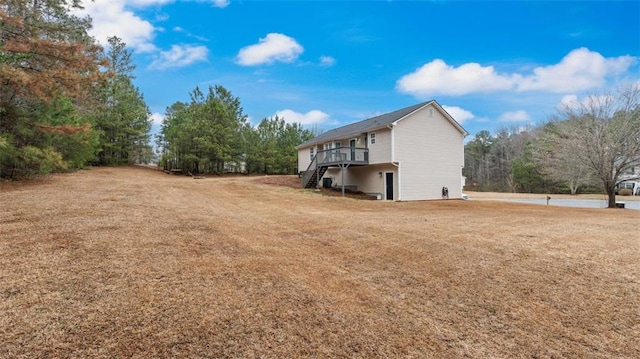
[(631, 180)]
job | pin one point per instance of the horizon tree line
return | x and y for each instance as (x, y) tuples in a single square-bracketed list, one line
[(591, 145)]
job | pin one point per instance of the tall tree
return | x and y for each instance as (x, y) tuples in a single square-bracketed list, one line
[(507, 146), (45, 51), (123, 117), (205, 135), (272, 146), (603, 132), (526, 171), (559, 162), (476, 158), (47, 63)]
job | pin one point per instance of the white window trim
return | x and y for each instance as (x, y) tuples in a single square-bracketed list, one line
[(372, 138)]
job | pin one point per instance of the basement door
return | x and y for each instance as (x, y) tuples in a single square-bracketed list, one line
[(388, 185)]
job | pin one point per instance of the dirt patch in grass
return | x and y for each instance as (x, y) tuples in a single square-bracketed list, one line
[(296, 182), (291, 181), (126, 262)]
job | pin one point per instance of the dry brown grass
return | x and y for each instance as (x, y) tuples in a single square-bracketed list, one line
[(127, 262)]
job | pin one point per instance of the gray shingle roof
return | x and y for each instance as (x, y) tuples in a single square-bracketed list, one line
[(367, 125)]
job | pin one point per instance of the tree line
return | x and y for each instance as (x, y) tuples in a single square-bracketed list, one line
[(210, 134), (591, 145), (65, 102)]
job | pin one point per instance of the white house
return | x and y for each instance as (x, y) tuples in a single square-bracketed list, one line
[(631, 180), (415, 153)]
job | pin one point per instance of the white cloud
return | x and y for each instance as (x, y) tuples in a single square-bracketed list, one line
[(309, 118), (179, 56), (327, 61), (514, 116), (111, 18), (459, 114), (568, 101), (115, 18), (160, 17), (189, 34), (273, 47), (436, 77), (156, 118), (580, 70), (146, 3), (220, 3)]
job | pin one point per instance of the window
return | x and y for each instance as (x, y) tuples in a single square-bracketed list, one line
[(337, 144), (372, 138), (311, 154)]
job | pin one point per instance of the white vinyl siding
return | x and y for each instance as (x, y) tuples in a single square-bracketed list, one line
[(431, 155), (368, 179), (304, 158), (380, 152)]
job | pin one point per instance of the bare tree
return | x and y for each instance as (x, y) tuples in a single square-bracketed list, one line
[(558, 160), (603, 133)]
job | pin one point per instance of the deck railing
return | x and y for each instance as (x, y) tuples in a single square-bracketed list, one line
[(342, 156), (338, 155)]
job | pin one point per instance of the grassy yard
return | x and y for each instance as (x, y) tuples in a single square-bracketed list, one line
[(134, 263)]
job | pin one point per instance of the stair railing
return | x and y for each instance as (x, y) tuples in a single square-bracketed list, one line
[(311, 170)]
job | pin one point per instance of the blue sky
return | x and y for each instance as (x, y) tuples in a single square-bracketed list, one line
[(491, 64)]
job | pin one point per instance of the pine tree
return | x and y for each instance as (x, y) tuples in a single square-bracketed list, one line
[(47, 64), (123, 117)]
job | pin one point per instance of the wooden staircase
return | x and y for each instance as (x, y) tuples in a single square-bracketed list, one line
[(313, 173), (314, 176)]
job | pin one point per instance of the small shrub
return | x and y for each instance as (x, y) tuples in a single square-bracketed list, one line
[(625, 192)]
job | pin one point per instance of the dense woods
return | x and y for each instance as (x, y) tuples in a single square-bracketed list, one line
[(590, 146), (65, 103), (210, 134), (50, 72)]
